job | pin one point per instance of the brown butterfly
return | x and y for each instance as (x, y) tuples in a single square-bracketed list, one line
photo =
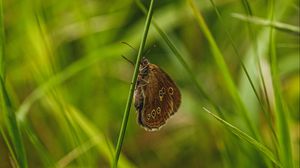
[(156, 96)]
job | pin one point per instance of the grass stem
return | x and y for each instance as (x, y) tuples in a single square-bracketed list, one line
[(282, 125), (132, 86), (224, 69), (264, 150)]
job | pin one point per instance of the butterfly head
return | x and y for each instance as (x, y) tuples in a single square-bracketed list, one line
[(144, 62), (144, 65)]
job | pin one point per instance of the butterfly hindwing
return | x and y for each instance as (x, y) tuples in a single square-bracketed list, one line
[(161, 99)]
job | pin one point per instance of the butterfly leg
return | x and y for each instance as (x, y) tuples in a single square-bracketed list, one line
[(139, 100), (145, 81), (142, 82), (139, 103)]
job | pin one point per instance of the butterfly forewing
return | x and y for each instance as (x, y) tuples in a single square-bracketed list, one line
[(156, 98)]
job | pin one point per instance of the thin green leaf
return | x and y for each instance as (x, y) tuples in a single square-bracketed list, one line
[(3, 115), (13, 128), (251, 82), (46, 158), (281, 112), (219, 59), (264, 150), (60, 78), (9, 146), (2, 40), (260, 21), (16, 147), (103, 145), (75, 153), (132, 86)]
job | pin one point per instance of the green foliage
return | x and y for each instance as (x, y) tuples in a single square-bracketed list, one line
[(247, 138), (64, 83), (132, 86)]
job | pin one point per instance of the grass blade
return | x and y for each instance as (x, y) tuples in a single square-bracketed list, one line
[(2, 40), (75, 153), (9, 146), (103, 145), (219, 59), (17, 148), (132, 86), (251, 82), (13, 128), (253, 37), (264, 150), (46, 158), (285, 151), (277, 25), (58, 79)]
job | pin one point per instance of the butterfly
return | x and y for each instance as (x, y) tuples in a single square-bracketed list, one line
[(156, 97)]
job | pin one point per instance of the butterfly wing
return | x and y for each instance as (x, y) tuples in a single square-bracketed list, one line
[(161, 99)]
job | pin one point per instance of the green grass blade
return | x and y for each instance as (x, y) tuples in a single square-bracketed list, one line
[(238, 56), (60, 78), (3, 115), (9, 146), (223, 68), (16, 147), (264, 150), (253, 37), (13, 128), (247, 6), (263, 22), (285, 152), (2, 40), (251, 82), (75, 153), (103, 145), (132, 86), (46, 158)]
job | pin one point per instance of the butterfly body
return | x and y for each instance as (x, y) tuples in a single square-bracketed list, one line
[(157, 97)]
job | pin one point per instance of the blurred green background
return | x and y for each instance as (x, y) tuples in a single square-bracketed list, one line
[(67, 83)]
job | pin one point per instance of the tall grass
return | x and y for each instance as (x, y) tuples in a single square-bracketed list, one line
[(132, 86), (63, 83), (247, 138), (10, 129), (219, 58), (2, 43), (283, 136), (15, 141), (285, 151)]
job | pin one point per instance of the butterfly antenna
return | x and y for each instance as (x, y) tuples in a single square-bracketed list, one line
[(148, 51), (129, 46), (128, 60)]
